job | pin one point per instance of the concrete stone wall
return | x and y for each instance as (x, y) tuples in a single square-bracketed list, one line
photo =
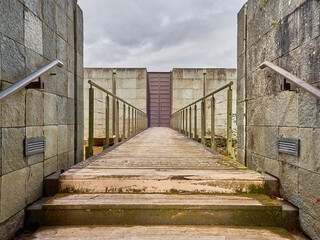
[(187, 87), (287, 34), (130, 84), (33, 33)]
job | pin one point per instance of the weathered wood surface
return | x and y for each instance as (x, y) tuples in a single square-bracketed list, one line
[(160, 160)]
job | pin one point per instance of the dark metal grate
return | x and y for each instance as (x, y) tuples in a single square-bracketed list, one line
[(289, 146), (34, 145)]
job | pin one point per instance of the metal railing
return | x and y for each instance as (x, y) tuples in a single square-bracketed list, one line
[(292, 78), (24, 82), (133, 119), (181, 120)]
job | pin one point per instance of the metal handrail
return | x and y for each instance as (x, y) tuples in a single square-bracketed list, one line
[(112, 95), (181, 120), (292, 78), (24, 82), (206, 96)]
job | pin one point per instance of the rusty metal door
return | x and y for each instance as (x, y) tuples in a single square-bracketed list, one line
[(159, 99)]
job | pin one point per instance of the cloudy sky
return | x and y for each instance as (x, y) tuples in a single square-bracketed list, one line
[(160, 34)]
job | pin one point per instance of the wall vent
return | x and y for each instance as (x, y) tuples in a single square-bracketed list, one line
[(34, 145), (289, 146)]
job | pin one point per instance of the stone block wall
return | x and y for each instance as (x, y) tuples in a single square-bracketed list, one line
[(33, 33), (187, 87), (285, 32), (130, 84)]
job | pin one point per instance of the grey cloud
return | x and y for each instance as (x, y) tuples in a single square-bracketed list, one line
[(162, 34)]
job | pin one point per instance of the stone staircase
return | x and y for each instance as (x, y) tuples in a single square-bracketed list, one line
[(111, 199), (171, 208)]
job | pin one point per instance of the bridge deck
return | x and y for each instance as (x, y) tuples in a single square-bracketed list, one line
[(163, 148), (160, 160)]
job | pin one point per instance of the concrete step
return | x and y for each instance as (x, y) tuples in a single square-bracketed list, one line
[(161, 209), (51, 184), (161, 181), (162, 232)]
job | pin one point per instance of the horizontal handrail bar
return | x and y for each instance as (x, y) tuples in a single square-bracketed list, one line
[(24, 82), (111, 94), (206, 96), (292, 78)]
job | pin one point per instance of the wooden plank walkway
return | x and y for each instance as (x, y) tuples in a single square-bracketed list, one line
[(162, 148), (129, 185), (160, 160)]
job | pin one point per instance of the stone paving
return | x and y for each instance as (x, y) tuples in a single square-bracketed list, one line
[(162, 232)]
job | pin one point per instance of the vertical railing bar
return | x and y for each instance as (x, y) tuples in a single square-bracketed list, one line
[(202, 122), (213, 132), (106, 141), (186, 122), (135, 121), (124, 123), (129, 134), (190, 130), (229, 124), (132, 122), (195, 123), (114, 89), (117, 122), (89, 148), (183, 122)]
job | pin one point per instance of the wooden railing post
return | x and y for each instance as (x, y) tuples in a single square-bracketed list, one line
[(117, 122), (230, 150), (129, 133), (213, 132), (132, 122), (190, 128), (89, 148), (183, 129), (203, 128), (135, 121), (124, 123), (114, 90), (186, 133), (106, 142), (195, 134)]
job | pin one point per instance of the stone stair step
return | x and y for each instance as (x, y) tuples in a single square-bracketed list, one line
[(161, 232), (51, 184), (160, 181), (162, 209)]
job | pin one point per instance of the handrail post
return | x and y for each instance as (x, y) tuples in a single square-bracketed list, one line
[(213, 132), (117, 122), (195, 123), (229, 124), (124, 123), (186, 133), (135, 121), (190, 130), (114, 72), (106, 142), (202, 122), (129, 134), (89, 148), (132, 123), (183, 122)]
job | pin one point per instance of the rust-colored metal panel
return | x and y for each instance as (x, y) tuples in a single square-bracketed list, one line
[(159, 99)]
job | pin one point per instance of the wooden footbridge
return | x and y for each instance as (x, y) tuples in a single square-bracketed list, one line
[(161, 184)]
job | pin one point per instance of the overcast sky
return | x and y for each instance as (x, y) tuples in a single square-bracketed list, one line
[(160, 34)]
